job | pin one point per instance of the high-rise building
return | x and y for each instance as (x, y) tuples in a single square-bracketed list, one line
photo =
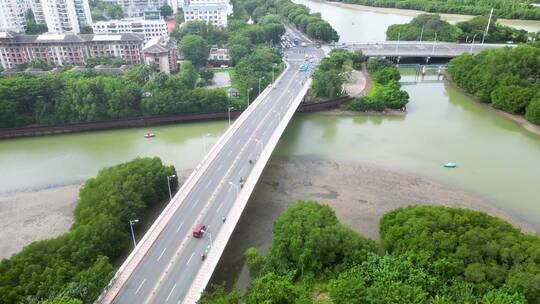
[(59, 15), (135, 8)]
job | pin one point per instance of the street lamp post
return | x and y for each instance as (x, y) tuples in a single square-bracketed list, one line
[(278, 115), (235, 186), (472, 43), (397, 45), (229, 110), (273, 66), (422, 32), (249, 90), (131, 222), (259, 143), (434, 44), (260, 84), (169, 184), (204, 142)]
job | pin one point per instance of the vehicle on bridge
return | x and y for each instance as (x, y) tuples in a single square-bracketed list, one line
[(198, 231)]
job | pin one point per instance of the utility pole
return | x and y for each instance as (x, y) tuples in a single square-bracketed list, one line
[(487, 26), (397, 45), (422, 32)]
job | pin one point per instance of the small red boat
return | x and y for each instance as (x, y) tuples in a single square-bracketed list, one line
[(149, 135)]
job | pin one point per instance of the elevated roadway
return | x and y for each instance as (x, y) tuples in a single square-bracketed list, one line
[(167, 264), (424, 49)]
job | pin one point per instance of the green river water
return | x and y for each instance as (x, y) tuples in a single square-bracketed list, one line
[(496, 158)]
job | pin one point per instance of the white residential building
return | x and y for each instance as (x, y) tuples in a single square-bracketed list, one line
[(212, 13), (150, 28), (136, 8), (59, 15), (12, 15), (218, 2)]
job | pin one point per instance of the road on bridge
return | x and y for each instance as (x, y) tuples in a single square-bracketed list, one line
[(421, 49), (169, 266)]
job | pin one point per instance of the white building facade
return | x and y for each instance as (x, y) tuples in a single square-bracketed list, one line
[(150, 28), (136, 8), (61, 16), (215, 14)]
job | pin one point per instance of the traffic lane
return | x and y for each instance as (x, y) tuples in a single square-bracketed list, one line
[(153, 254), (181, 277)]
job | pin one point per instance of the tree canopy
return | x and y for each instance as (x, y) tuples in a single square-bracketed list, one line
[(428, 254), (518, 9), (76, 266), (508, 78)]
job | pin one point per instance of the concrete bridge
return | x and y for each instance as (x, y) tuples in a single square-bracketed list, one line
[(424, 49), (167, 265)]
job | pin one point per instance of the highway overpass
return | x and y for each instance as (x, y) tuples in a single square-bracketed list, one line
[(424, 49), (167, 265)]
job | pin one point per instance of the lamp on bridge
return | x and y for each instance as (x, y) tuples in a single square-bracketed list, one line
[(131, 222)]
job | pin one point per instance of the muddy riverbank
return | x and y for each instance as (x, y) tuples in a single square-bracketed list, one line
[(359, 193)]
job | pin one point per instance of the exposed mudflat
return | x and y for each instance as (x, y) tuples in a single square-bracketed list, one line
[(359, 193)]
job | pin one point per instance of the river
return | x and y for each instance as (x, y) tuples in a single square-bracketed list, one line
[(355, 23), (496, 158)]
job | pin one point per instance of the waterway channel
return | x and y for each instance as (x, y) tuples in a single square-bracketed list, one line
[(496, 158)]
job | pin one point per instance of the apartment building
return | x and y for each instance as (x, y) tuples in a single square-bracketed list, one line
[(212, 13), (135, 8), (73, 49), (149, 28), (61, 16), (160, 53)]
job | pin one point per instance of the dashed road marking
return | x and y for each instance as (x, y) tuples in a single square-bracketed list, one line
[(179, 226), (170, 293), (159, 258), (190, 258), (140, 285)]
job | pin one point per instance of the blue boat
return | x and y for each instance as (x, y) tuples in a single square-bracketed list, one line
[(450, 165)]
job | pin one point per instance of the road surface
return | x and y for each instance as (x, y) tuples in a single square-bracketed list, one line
[(168, 268)]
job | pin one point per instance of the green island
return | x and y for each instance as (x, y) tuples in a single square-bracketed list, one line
[(427, 254), (385, 91), (508, 78), (430, 27), (76, 266), (521, 9)]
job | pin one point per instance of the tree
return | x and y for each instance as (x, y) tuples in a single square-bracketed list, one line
[(532, 113), (273, 288), (166, 10), (424, 27), (32, 27), (512, 98), (195, 49)]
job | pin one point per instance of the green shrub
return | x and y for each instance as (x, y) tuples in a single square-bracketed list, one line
[(533, 111), (77, 263)]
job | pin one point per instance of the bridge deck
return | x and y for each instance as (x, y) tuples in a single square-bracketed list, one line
[(166, 266), (421, 49)]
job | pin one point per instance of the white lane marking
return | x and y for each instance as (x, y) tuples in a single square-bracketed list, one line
[(179, 226), (159, 258), (170, 293), (140, 285), (207, 184), (220, 205), (196, 202), (190, 257)]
